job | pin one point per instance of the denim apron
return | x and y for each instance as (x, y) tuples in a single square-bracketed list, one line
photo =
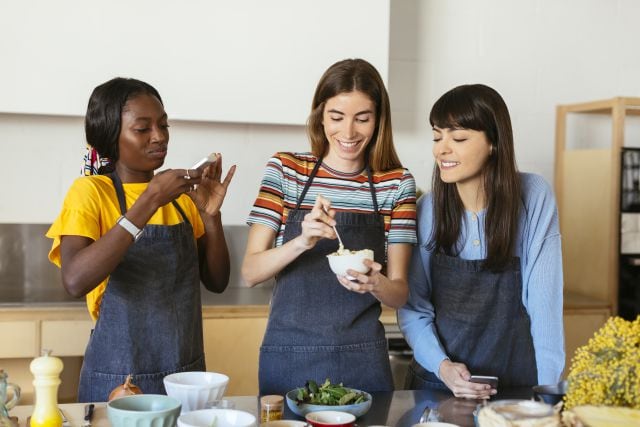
[(150, 322), (481, 322), (317, 329)]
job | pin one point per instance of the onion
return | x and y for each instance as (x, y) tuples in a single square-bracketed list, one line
[(125, 389)]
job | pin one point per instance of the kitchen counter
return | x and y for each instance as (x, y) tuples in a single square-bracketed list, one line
[(234, 320), (251, 298), (18, 296), (233, 302), (398, 408)]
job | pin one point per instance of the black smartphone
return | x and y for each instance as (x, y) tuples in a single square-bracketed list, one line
[(485, 379)]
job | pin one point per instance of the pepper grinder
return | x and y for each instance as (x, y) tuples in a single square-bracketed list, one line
[(46, 372)]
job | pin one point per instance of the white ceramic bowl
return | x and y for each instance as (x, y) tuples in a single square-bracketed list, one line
[(222, 418), (195, 389), (434, 424), (352, 260)]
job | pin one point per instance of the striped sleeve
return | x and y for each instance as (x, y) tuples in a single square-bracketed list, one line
[(403, 215), (269, 205)]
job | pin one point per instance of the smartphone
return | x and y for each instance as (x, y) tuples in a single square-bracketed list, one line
[(485, 379), (205, 161)]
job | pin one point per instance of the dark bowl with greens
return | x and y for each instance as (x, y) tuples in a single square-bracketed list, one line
[(328, 397)]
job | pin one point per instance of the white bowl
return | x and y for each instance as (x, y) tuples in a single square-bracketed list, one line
[(351, 260), (222, 418), (195, 389)]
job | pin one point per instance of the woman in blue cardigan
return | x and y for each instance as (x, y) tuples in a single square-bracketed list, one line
[(486, 275)]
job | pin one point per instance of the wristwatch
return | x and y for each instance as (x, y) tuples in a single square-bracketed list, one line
[(130, 227)]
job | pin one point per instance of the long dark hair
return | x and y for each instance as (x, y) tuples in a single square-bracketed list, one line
[(480, 108), (347, 76), (103, 120)]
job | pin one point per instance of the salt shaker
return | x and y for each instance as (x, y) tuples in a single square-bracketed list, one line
[(46, 372)]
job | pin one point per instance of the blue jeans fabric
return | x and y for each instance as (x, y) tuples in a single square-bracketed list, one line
[(481, 321), (317, 329), (150, 321)]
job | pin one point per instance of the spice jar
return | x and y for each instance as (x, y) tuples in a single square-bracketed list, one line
[(271, 407)]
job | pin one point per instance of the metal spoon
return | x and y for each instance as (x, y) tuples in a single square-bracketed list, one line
[(425, 415), (429, 414), (341, 247)]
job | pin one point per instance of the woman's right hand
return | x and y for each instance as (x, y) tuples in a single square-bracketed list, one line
[(317, 224), (456, 376), (169, 184)]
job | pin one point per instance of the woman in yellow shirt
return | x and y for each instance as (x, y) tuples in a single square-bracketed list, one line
[(137, 244)]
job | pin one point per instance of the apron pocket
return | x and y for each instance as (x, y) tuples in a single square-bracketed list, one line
[(96, 386)]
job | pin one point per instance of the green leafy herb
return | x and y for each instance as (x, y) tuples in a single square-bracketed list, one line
[(328, 394)]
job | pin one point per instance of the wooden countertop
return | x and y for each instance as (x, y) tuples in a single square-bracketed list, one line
[(234, 302)]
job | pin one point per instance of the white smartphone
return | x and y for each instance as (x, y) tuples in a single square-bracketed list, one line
[(205, 161), (485, 379)]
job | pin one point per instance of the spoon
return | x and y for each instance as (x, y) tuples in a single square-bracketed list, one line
[(341, 246)]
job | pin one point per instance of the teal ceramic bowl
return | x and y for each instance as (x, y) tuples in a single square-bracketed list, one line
[(357, 409), (144, 410)]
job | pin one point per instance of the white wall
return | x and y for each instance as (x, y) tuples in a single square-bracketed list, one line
[(536, 53)]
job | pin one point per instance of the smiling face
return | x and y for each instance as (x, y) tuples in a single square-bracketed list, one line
[(461, 155), (349, 122), (143, 140)]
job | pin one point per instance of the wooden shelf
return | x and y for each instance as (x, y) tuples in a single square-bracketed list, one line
[(587, 185)]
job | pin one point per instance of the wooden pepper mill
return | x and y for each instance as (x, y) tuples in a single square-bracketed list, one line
[(46, 373)]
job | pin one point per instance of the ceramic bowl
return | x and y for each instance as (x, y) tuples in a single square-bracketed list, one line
[(302, 409), (195, 389), (217, 418), (143, 410), (434, 424), (284, 423), (550, 394), (351, 260), (330, 419)]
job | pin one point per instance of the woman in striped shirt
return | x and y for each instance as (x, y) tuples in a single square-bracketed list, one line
[(322, 325)]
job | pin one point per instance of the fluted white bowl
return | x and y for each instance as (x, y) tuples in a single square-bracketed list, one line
[(195, 389), (217, 417)]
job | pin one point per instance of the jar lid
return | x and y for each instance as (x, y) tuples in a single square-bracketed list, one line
[(272, 399)]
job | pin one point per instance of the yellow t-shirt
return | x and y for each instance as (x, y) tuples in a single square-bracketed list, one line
[(91, 208)]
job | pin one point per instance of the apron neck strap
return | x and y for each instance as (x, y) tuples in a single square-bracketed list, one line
[(117, 183), (314, 172)]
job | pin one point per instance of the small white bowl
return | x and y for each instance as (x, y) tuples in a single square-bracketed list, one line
[(222, 418), (195, 389), (350, 260)]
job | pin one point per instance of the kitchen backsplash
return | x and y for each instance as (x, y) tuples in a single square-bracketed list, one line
[(26, 275)]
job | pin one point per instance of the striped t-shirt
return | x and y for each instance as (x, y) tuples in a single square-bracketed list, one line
[(287, 173)]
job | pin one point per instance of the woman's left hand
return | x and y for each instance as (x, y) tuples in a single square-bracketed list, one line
[(210, 193), (363, 282)]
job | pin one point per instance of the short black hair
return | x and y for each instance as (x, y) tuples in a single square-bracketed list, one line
[(103, 120)]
